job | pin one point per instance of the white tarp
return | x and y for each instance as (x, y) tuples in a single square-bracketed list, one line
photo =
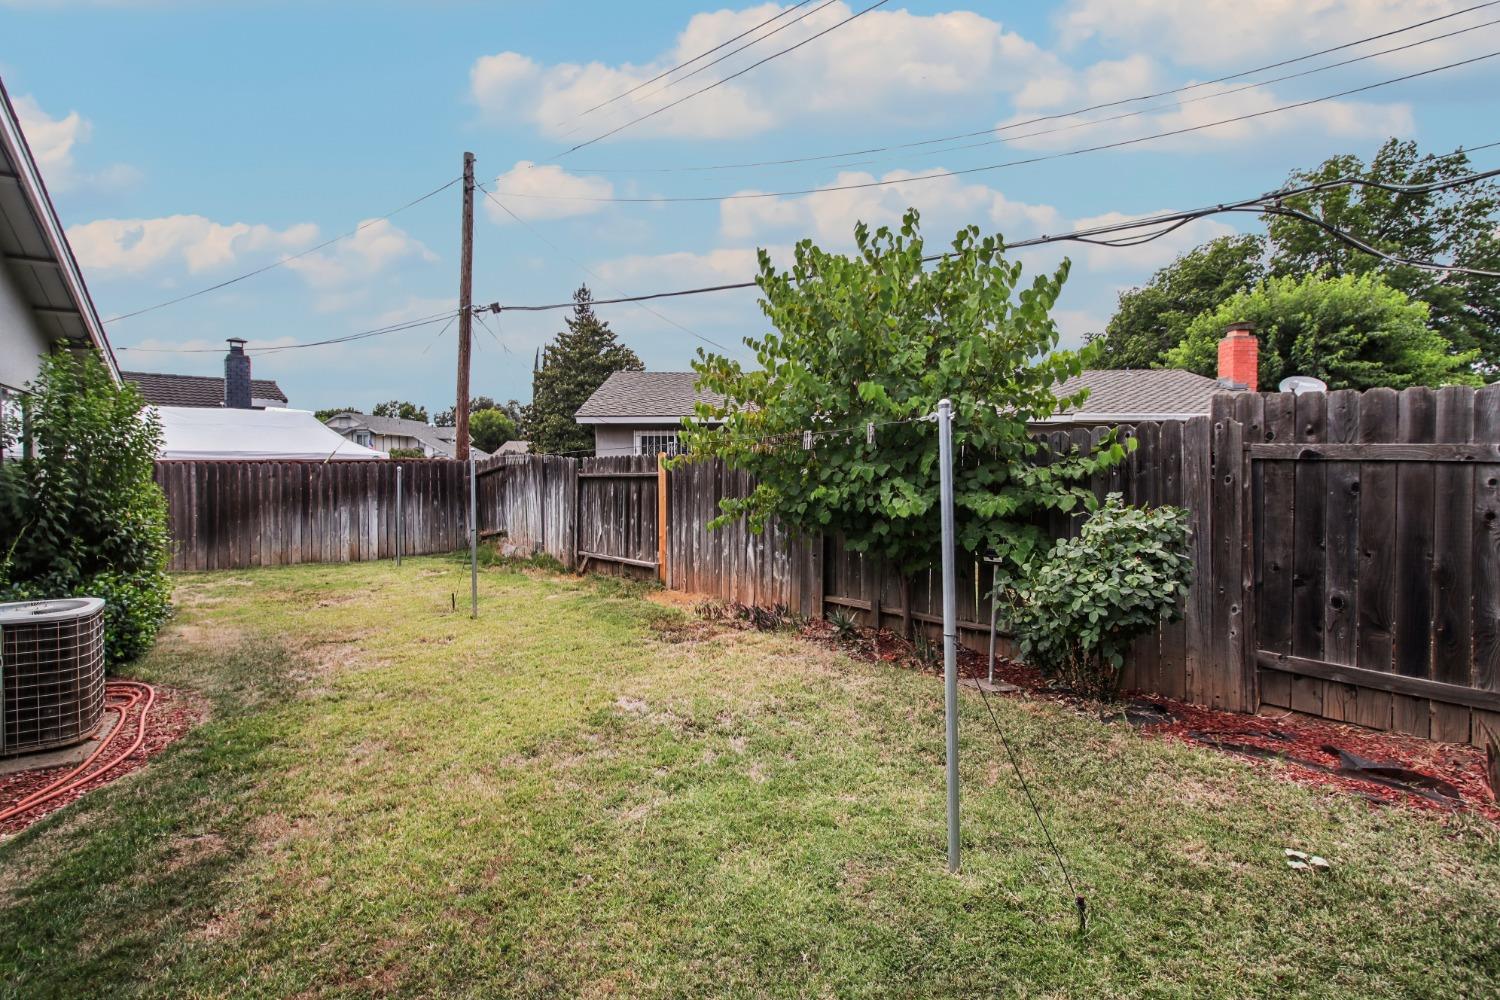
[(212, 432)]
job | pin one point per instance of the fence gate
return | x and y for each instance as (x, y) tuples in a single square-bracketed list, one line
[(619, 522), (1377, 558)]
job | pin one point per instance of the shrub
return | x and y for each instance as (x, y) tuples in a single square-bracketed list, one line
[(1076, 610), (81, 513), (398, 453)]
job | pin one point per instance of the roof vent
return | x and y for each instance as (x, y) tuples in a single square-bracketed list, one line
[(51, 673)]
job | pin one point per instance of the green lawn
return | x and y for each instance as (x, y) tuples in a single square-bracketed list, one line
[(391, 799)]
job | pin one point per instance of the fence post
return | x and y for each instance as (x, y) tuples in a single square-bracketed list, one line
[(400, 516), (661, 519), (950, 622)]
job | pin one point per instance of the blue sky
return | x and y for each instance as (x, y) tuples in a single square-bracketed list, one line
[(187, 142)]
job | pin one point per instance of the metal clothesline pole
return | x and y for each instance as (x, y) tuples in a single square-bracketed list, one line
[(400, 517), (950, 622)]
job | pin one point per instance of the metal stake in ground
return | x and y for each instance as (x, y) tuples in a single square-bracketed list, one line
[(473, 544), (950, 622)]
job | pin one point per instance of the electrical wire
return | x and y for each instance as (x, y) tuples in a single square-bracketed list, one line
[(347, 338), (589, 271), (1055, 116), (718, 83), (986, 168), (708, 52), (285, 260), (1167, 221)]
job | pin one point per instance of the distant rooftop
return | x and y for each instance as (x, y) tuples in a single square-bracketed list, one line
[(197, 390), (632, 396), (1127, 394)]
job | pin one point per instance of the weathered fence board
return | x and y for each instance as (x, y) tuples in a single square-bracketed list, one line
[(233, 515)]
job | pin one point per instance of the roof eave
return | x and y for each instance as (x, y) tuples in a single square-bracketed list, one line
[(29, 178)]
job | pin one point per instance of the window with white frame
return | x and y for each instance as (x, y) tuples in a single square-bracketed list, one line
[(362, 438), (655, 442)]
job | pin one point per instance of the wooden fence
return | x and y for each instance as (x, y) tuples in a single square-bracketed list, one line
[(1346, 546), (230, 515)]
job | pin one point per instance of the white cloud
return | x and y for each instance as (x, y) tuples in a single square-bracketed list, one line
[(1346, 119), (53, 142), (554, 184), (893, 62), (135, 246), (372, 249), (946, 204), (1201, 32)]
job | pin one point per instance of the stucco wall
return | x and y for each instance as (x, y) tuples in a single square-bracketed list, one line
[(21, 341)]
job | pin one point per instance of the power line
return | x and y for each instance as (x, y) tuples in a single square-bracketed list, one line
[(1054, 116), (589, 271), (940, 174), (718, 83), (1166, 222), (347, 338), (1182, 104), (708, 52), (285, 260)]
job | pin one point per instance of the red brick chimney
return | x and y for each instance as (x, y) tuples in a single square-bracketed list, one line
[(1239, 357)]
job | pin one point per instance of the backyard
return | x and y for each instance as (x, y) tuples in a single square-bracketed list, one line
[(579, 794)]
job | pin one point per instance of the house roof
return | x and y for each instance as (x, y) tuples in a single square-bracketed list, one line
[(227, 433), (443, 440), (1138, 394), (162, 389), (34, 247), (631, 397)]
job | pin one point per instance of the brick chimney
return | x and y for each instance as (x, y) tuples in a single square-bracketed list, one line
[(237, 375), (1239, 358)]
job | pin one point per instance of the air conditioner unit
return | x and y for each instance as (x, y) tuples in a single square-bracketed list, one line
[(51, 673)]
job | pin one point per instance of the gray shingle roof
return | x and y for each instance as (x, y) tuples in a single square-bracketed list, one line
[(647, 394), (195, 390), (440, 439), (1140, 392)]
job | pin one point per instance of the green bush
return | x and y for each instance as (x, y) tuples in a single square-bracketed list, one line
[(399, 453), (1076, 611), (81, 513)]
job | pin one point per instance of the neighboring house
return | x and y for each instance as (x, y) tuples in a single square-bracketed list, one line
[(640, 413), (514, 448), (389, 433), (44, 303), (1132, 395), (240, 433), (236, 389)]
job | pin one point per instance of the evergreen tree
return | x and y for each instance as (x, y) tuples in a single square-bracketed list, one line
[(570, 369)]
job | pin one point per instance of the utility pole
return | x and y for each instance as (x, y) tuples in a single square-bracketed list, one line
[(465, 316)]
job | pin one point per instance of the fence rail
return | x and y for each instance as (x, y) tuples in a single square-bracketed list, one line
[(1346, 547)]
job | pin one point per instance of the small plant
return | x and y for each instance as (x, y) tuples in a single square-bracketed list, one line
[(845, 628), (1076, 611), (711, 610), (928, 652)]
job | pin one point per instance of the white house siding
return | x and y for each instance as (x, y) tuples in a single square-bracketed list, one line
[(22, 343), (614, 439)]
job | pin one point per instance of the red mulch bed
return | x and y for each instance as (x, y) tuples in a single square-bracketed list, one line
[(1301, 748), (171, 716)]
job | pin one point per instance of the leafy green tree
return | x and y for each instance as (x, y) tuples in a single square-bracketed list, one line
[(571, 368), (1351, 332), (1152, 319), (324, 415), (511, 408), (490, 428), (401, 410), (878, 338), (1457, 226), (81, 514)]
